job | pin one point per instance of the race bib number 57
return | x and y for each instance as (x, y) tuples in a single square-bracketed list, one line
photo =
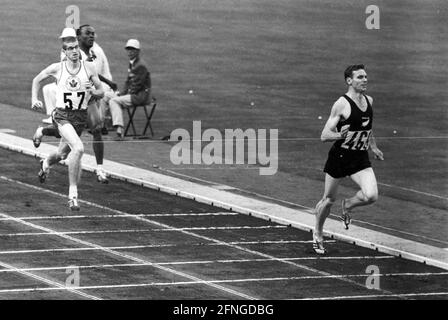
[(69, 98)]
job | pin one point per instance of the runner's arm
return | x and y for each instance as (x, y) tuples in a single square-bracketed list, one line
[(110, 83), (98, 92), (330, 133), (50, 71)]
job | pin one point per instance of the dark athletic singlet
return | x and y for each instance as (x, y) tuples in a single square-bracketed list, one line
[(360, 122)]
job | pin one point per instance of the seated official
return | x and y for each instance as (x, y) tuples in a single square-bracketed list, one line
[(137, 88)]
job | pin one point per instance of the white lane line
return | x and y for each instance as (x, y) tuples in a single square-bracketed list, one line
[(53, 284), (162, 225), (121, 265), (234, 246), (274, 242), (108, 216), (373, 296), (80, 249), (132, 258), (270, 198), (246, 280), (149, 246), (139, 230), (361, 236)]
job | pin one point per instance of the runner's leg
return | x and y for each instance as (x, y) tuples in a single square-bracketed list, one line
[(69, 134), (368, 194), (324, 205)]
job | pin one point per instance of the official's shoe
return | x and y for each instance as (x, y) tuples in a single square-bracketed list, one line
[(37, 138), (318, 246), (345, 216), (73, 204), (119, 137), (48, 120), (101, 176), (42, 173)]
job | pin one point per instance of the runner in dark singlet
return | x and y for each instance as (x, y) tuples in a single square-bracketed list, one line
[(350, 126)]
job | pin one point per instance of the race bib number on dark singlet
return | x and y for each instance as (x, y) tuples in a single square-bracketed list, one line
[(357, 140)]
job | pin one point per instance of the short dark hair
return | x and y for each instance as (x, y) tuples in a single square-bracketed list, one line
[(354, 67), (64, 46), (78, 31)]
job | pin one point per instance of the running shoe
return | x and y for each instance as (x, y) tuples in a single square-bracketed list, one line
[(318, 246), (73, 204), (101, 176)]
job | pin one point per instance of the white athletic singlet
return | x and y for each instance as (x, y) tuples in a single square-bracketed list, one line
[(71, 92)]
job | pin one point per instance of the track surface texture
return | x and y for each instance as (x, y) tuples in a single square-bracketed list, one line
[(129, 242)]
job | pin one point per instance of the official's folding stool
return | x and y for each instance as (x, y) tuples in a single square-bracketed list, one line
[(131, 114)]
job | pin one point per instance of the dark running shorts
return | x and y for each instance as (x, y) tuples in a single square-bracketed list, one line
[(77, 118), (342, 163)]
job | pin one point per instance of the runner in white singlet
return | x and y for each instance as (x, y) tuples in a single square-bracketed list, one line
[(78, 86)]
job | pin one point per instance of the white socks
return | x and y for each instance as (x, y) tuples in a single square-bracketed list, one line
[(72, 192)]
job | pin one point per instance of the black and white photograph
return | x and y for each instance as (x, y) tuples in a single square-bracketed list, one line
[(228, 157)]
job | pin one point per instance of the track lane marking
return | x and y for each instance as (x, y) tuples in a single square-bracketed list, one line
[(360, 236), (300, 266), (108, 216), (139, 230), (243, 280), (372, 296), (118, 265), (132, 258), (68, 249), (53, 284)]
